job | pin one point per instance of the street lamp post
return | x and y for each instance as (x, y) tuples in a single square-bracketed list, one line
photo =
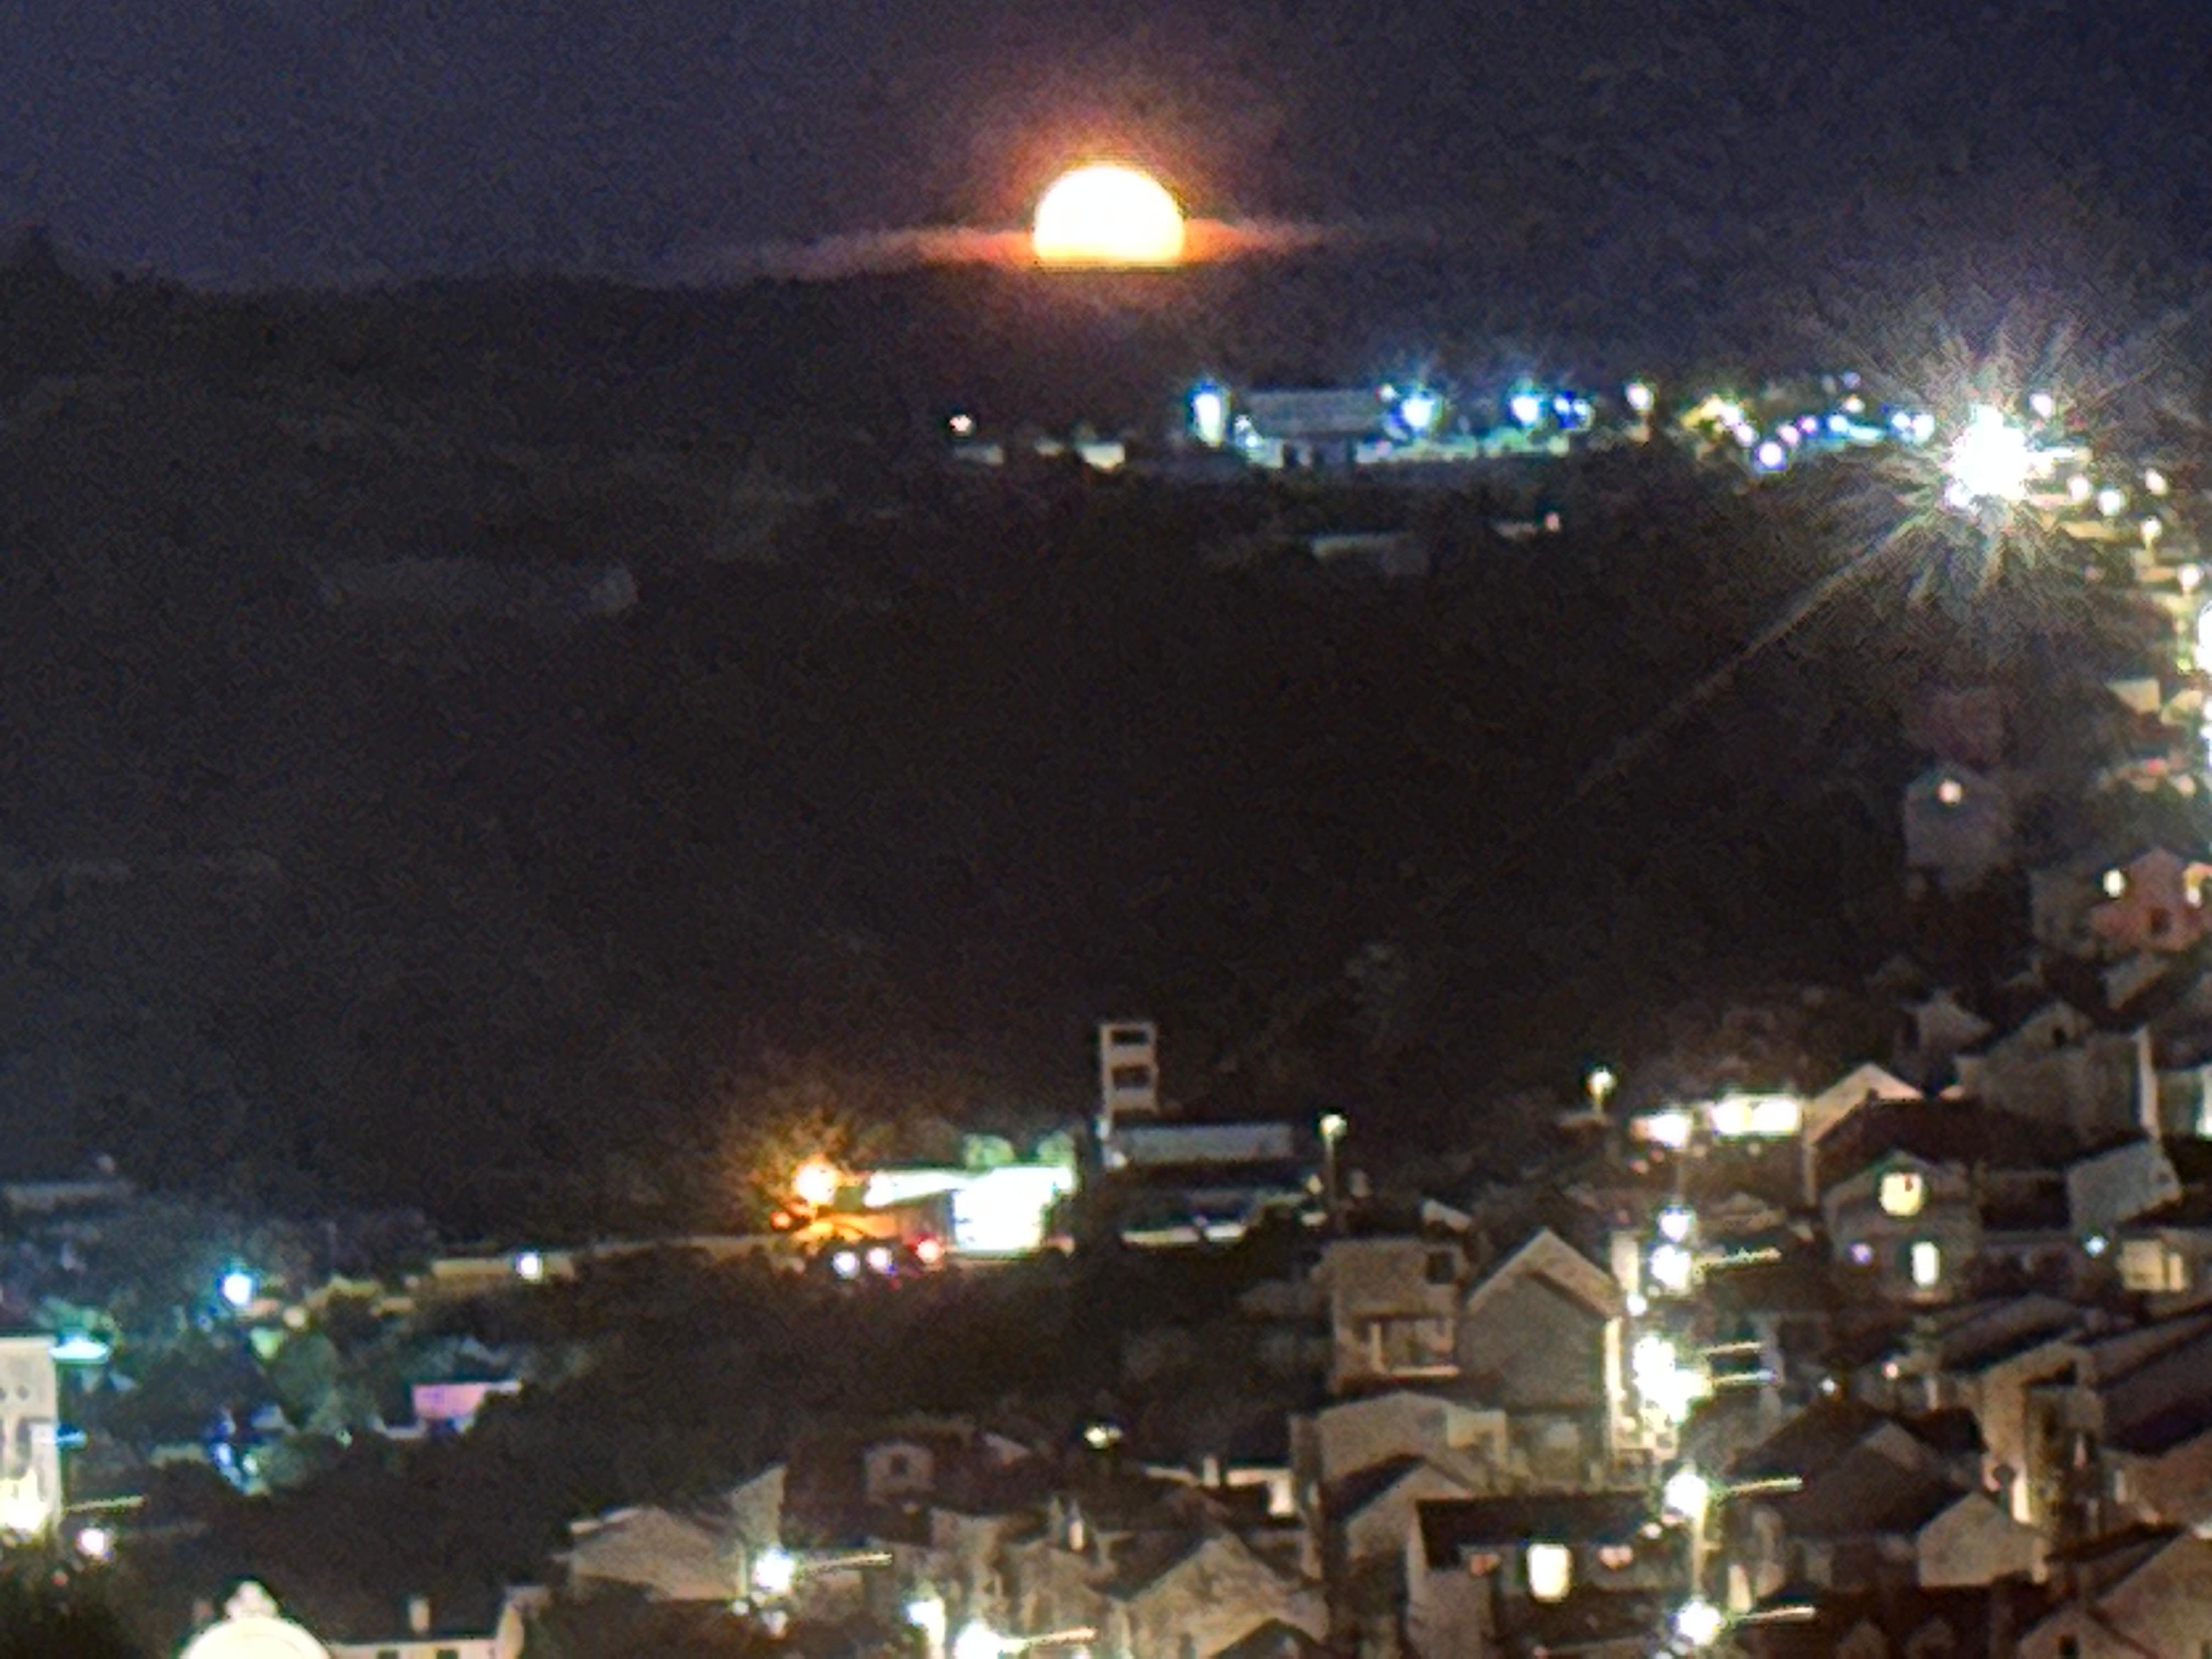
[(1333, 1127)]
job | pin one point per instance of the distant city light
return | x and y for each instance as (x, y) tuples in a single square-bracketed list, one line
[(2152, 530), (1676, 1222), (1950, 792), (926, 1614), (1670, 1128), (1527, 408), (2115, 883), (1761, 1117), (1839, 424), (774, 1573), (2096, 1244), (846, 1264), (1745, 434), (929, 1251), (1664, 1384), (2042, 404), (1673, 1268), (1101, 1437), (96, 1543), (1698, 1622), (2190, 577), (880, 1259), (816, 1183), (1991, 460), (1640, 397), (2154, 481), (1599, 1084), (237, 1288), (1686, 1493), (2079, 489), (2112, 500), (977, 1640), (1419, 410), (963, 426), (1209, 415), (530, 1267)]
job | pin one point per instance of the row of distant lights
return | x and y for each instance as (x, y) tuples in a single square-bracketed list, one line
[(882, 1260)]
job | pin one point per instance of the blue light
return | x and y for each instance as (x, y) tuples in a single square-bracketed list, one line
[(1839, 424), (1419, 411)]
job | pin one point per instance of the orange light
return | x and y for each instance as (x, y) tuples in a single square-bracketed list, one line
[(780, 1220), (1108, 215), (815, 1183)]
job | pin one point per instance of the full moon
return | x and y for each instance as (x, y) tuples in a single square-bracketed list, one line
[(1108, 215)]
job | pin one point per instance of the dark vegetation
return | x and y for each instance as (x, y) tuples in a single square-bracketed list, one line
[(487, 907)]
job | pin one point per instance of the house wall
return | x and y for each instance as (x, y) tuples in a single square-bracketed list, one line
[(1533, 1348), (1451, 1613)]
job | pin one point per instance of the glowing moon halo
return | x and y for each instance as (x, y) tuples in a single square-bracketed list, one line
[(1104, 215)]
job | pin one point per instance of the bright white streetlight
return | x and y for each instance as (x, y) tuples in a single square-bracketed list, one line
[(2041, 405), (2112, 500), (1676, 1222), (1673, 1268), (977, 1640), (236, 1287), (530, 1267), (1686, 1493), (1527, 408), (1419, 411), (1640, 397), (96, 1543), (1599, 1084), (926, 1614), (775, 1573), (1991, 461), (1698, 1622), (2154, 481)]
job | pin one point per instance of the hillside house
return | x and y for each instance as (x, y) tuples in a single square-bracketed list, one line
[(1958, 829)]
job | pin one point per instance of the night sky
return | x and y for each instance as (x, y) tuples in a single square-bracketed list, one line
[(240, 141)]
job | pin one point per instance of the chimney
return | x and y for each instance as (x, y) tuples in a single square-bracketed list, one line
[(418, 1615)]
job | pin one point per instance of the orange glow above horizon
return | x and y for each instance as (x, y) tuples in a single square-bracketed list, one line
[(1108, 215)]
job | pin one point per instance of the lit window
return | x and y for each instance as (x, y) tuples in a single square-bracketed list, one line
[(1950, 792), (1902, 1192), (1551, 1571), (1927, 1263)]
